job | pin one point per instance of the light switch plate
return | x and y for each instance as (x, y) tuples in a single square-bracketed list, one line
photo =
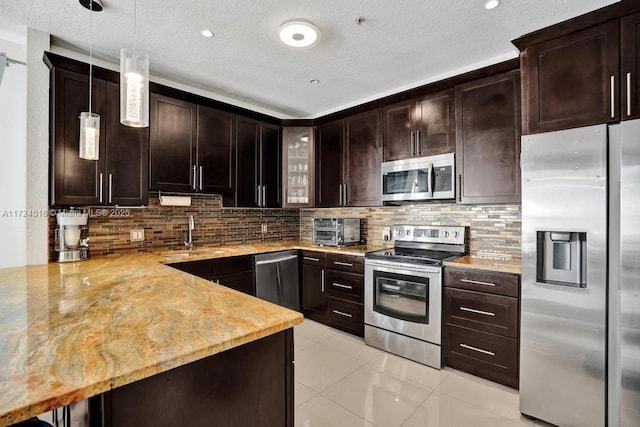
[(137, 234)]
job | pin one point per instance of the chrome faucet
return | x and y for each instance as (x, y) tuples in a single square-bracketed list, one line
[(189, 243)]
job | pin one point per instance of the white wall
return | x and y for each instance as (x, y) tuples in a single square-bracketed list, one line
[(13, 151), (37, 174)]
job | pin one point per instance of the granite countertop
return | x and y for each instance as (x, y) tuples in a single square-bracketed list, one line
[(503, 266), (75, 330)]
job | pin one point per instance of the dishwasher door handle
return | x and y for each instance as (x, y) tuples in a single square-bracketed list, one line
[(271, 261)]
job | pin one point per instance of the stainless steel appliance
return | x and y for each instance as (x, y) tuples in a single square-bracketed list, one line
[(71, 241), (336, 231), (403, 291), (277, 278), (423, 178), (580, 306)]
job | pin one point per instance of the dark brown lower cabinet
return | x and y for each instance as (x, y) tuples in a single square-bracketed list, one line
[(482, 324), (250, 385), (233, 272), (331, 296)]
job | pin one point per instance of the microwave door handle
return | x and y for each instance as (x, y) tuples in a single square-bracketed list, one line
[(430, 180)]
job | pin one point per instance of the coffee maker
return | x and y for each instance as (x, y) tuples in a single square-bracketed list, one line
[(72, 243)]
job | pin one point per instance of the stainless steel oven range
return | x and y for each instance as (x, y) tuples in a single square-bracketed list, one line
[(403, 291)]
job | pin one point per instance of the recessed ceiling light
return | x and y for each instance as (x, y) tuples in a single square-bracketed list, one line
[(491, 4), (206, 33), (314, 81), (299, 32)]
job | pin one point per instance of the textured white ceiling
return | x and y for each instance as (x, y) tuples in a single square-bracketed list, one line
[(402, 43)]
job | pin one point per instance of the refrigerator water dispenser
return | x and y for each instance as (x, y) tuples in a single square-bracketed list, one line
[(562, 258)]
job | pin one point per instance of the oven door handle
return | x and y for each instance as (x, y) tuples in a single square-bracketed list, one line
[(397, 267)]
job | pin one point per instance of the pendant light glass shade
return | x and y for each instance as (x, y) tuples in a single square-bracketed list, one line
[(134, 87), (89, 136)]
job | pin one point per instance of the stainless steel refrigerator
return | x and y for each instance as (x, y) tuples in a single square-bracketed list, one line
[(580, 306)]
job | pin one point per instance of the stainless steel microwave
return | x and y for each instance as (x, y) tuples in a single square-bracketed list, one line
[(423, 178)]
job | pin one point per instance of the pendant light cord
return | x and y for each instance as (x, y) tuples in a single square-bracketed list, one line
[(135, 26), (90, 52)]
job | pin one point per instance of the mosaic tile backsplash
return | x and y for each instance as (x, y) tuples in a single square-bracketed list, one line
[(495, 230)]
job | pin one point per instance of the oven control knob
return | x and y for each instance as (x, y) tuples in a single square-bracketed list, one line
[(446, 234), (456, 234)]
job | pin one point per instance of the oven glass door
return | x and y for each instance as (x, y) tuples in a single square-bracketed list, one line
[(325, 237), (401, 296)]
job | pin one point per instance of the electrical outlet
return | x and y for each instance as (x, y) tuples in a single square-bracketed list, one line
[(264, 228), (386, 234), (137, 234)]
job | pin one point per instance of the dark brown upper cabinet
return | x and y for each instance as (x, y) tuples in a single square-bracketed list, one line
[(488, 130), (258, 178), (348, 161), (362, 158), (192, 147), (572, 80), (630, 58), (328, 159), (420, 127), (120, 176)]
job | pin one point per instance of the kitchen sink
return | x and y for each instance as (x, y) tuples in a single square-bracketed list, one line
[(212, 252)]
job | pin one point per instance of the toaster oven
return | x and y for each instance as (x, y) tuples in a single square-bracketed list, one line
[(336, 231)]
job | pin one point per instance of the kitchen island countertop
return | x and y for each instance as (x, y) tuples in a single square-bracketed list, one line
[(71, 331)]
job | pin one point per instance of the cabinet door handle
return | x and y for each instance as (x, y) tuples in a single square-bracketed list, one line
[(346, 202), (346, 264), (323, 281), (613, 95), (308, 258), (413, 144), (201, 173), (264, 195), (340, 189), (101, 183), (259, 195), (460, 187), (477, 282), (473, 310), (418, 147), (479, 350), (340, 285), (628, 94), (342, 313), (110, 187), (194, 186)]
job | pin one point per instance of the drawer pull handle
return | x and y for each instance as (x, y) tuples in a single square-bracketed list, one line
[(342, 286), (308, 258), (473, 310), (346, 264), (479, 350), (342, 313), (477, 282)]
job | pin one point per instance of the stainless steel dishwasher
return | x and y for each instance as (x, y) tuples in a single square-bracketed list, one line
[(277, 278)]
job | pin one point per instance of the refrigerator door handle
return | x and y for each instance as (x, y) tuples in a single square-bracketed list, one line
[(613, 96)]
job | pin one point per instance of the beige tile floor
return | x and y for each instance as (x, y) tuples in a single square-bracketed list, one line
[(341, 382)]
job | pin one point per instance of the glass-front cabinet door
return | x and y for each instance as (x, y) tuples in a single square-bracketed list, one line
[(298, 179)]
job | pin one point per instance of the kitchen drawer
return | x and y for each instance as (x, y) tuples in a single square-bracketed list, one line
[(482, 281), (347, 286), (486, 355), (313, 258), (489, 313), (348, 263), (344, 315), (230, 265)]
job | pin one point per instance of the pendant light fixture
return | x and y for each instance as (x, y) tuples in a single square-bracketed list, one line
[(90, 122), (134, 82)]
